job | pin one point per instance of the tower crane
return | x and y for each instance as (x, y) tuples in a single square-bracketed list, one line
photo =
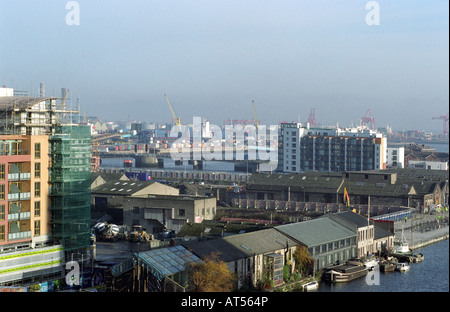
[(176, 119), (445, 126), (254, 114)]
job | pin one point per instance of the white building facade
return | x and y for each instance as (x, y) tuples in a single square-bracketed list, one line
[(330, 149), (395, 157)]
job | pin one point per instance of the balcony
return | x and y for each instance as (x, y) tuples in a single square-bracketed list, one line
[(20, 176), (19, 216), (19, 196), (19, 235)]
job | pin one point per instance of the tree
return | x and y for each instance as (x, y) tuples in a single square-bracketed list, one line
[(212, 275), (302, 258)]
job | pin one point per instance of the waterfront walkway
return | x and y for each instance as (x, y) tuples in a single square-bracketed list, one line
[(425, 230)]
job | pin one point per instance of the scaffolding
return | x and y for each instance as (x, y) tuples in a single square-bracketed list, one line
[(70, 175), (26, 115)]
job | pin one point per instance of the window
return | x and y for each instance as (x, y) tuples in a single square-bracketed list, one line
[(37, 150), (181, 212), (2, 191), (135, 210), (37, 208), (37, 170), (2, 171), (37, 227), (2, 212), (2, 233), (37, 189)]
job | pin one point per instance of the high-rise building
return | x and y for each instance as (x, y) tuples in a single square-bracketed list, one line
[(329, 149), (45, 166)]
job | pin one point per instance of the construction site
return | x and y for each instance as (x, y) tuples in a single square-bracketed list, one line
[(55, 174)]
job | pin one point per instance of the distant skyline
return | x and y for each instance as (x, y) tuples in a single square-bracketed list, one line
[(212, 58)]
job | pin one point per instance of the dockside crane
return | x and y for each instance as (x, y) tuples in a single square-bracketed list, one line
[(254, 114), (312, 117), (445, 124), (368, 120), (176, 119)]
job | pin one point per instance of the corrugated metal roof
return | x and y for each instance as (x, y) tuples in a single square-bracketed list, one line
[(168, 261), (309, 181), (241, 246), (316, 232)]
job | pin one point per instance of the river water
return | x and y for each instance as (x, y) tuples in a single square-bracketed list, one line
[(430, 275)]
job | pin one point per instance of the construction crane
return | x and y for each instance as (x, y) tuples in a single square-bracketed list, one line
[(368, 120), (312, 117), (254, 114), (176, 119), (63, 103), (445, 124)]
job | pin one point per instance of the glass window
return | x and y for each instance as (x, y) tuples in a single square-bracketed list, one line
[(37, 189), (2, 171), (2, 212), (37, 227), (37, 170), (37, 150), (2, 191), (37, 208), (2, 233)]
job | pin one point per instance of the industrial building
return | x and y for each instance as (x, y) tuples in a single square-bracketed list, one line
[(421, 189), (303, 149), (45, 163)]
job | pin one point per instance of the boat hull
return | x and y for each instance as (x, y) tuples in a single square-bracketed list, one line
[(387, 267), (345, 273)]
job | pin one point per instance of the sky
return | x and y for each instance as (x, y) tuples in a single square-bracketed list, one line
[(214, 57)]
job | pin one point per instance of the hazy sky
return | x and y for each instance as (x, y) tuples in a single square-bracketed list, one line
[(213, 58)]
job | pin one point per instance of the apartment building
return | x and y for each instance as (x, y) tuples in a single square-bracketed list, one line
[(44, 189), (24, 189), (395, 157), (330, 149)]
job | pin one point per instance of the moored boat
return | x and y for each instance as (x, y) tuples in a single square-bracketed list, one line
[(418, 257), (401, 248), (345, 272), (402, 267), (311, 286), (387, 266), (370, 263)]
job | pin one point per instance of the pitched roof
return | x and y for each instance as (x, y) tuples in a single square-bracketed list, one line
[(308, 181), (167, 261), (349, 219), (241, 246), (316, 232), (377, 189), (121, 187)]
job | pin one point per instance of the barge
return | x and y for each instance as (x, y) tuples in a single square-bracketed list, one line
[(345, 272)]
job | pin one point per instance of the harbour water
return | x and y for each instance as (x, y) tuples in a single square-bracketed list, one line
[(430, 275)]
